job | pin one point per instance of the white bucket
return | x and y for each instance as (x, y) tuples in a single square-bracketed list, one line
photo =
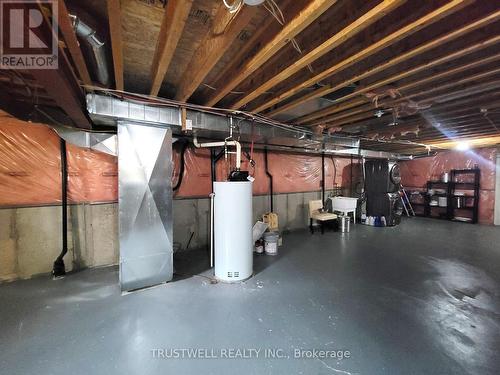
[(259, 249), (271, 243)]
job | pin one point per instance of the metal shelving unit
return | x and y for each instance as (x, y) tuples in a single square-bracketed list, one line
[(472, 186), (451, 211)]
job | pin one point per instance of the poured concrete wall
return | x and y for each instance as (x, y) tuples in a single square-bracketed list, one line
[(192, 216), (30, 238)]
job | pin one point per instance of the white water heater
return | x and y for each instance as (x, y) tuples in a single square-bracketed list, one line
[(233, 247)]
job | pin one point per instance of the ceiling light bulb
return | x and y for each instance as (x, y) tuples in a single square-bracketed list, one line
[(462, 146)]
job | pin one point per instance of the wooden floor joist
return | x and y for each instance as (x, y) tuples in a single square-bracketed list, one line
[(454, 35), (433, 77), (303, 19), (385, 42), (69, 36), (348, 32), (370, 112), (458, 54), (245, 53), (226, 28), (172, 25), (115, 31)]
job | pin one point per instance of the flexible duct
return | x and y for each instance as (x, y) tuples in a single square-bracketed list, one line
[(88, 34)]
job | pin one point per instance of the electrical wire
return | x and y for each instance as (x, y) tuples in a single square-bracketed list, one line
[(274, 9), (234, 7)]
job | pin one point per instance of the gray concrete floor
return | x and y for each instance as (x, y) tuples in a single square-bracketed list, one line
[(422, 298)]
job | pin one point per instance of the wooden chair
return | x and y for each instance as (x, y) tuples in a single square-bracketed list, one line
[(316, 214)]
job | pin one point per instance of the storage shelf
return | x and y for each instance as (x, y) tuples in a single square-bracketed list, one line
[(451, 187)]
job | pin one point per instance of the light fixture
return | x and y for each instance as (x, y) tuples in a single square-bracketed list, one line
[(253, 2), (462, 146), (379, 113)]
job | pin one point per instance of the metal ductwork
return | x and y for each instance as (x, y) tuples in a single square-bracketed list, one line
[(109, 110), (89, 35)]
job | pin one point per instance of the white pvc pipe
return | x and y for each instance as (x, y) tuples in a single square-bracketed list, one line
[(219, 144)]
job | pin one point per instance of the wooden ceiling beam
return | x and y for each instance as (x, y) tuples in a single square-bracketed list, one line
[(465, 126), (483, 101), (472, 78), (472, 133), (370, 113), (247, 51), (335, 108), (225, 29), (115, 31), (385, 42), (290, 30), (343, 35), (72, 43), (458, 54), (463, 92), (64, 94), (397, 60), (172, 26), (368, 107), (62, 84)]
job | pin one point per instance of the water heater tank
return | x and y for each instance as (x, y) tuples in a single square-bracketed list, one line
[(233, 231)]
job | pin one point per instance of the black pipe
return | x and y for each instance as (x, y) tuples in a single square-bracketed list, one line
[(213, 164), (185, 144), (350, 189), (59, 269), (270, 179), (323, 177)]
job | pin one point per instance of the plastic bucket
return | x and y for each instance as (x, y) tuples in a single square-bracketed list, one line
[(271, 243), (259, 249)]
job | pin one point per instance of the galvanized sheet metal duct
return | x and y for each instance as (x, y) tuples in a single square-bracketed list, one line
[(85, 32)]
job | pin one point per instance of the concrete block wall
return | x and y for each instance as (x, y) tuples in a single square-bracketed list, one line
[(30, 238)]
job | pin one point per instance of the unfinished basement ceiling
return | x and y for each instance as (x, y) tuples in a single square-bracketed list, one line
[(400, 75)]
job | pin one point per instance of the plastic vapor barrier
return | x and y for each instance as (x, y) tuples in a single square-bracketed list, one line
[(416, 173), (30, 171)]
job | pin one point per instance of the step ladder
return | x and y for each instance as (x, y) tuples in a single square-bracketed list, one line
[(406, 202)]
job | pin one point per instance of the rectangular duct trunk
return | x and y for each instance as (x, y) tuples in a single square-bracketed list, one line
[(145, 205)]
